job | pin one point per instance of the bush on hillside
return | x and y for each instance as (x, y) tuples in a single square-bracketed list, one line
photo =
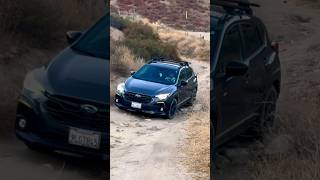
[(42, 22)]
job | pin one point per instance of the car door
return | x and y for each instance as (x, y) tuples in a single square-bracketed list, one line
[(254, 53), (231, 92), (182, 89), (192, 80)]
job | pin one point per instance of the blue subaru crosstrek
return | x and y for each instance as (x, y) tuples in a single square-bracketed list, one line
[(159, 87), (64, 107), (245, 72)]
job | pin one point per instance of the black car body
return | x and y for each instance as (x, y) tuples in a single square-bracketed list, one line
[(159, 87), (245, 74), (65, 107)]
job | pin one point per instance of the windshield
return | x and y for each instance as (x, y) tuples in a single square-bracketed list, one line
[(95, 42), (157, 74)]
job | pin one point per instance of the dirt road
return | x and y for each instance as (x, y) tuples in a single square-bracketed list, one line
[(295, 24), (17, 162), (146, 147)]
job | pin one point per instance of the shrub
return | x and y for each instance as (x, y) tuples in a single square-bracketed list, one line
[(145, 43), (42, 22), (122, 60)]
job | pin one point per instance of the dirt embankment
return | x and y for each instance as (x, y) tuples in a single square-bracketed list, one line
[(291, 151), (169, 12)]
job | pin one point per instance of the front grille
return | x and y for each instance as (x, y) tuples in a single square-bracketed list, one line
[(137, 97), (68, 111)]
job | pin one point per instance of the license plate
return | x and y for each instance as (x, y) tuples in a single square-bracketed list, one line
[(136, 105), (84, 138)]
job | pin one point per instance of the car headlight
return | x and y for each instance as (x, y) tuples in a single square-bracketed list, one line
[(162, 97), (120, 89), (32, 85)]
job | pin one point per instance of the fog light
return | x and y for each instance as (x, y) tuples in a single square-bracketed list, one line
[(22, 123), (161, 109), (117, 100)]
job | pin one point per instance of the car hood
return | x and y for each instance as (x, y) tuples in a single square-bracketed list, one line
[(77, 75), (147, 87)]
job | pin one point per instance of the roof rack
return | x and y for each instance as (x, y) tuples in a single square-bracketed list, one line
[(162, 59), (232, 6)]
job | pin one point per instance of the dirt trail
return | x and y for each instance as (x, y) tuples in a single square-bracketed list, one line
[(17, 162), (145, 147), (295, 25)]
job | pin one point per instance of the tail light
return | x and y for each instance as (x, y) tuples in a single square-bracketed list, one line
[(275, 46)]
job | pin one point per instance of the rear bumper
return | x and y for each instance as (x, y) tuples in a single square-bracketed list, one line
[(156, 108)]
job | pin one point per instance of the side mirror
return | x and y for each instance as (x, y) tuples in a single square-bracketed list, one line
[(183, 83), (72, 36), (132, 72), (235, 68)]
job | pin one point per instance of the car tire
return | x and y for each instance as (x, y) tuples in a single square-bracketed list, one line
[(265, 122), (121, 108), (172, 110), (192, 98)]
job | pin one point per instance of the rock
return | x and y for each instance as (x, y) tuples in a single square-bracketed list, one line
[(138, 125), (184, 110), (125, 124), (197, 107), (140, 133), (279, 144), (154, 128)]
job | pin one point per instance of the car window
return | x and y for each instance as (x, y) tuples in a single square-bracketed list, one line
[(157, 74), (251, 38), (230, 48), (189, 73), (183, 75)]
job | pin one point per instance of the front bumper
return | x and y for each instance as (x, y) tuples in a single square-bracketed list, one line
[(58, 146), (154, 107), (44, 132)]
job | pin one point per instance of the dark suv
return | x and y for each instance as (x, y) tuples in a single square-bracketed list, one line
[(65, 107), (159, 87), (245, 71)]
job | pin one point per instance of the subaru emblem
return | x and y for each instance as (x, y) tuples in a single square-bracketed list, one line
[(89, 108), (138, 95)]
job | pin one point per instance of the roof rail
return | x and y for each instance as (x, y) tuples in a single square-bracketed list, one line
[(234, 5), (162, 59)]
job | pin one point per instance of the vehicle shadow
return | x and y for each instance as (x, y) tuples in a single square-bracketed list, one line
[(140, 115)]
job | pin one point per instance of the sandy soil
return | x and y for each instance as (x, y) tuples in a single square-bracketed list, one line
[(146, 147), (17, 162), (295, 24)]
